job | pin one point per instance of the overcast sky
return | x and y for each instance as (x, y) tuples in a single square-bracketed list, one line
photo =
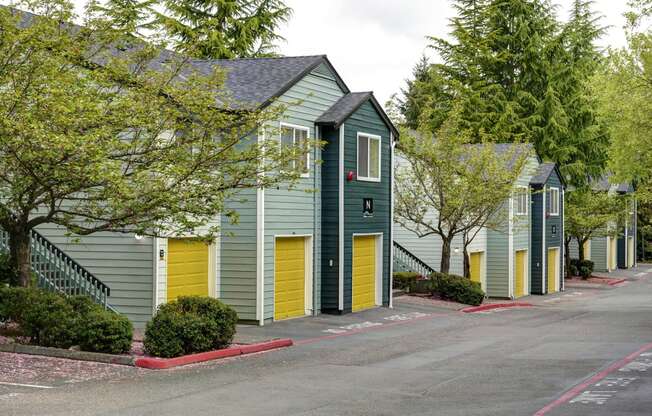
[(373, 44)]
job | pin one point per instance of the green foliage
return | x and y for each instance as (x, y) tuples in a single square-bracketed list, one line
[(589, 213), (95, 140), (405, 280), (582, 268), (457, 288), (104, 331), (53, 320), (207, 29), (465, 184), (190, 324), (8, 275), (48, 320), (519, 75)]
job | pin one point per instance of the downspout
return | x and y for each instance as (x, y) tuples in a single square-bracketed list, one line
[(340, 262), (315, 228), (260, 248), (562, 270), (544, 252), (391, 220)]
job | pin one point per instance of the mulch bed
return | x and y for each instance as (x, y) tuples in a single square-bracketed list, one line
[(595, 280)]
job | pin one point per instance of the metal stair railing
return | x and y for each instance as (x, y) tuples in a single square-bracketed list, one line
[(57, 272), (410, 261)]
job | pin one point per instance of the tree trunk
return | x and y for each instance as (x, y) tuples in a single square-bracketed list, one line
[(445, 264), (20, 256), (580, 249), (467, 263)]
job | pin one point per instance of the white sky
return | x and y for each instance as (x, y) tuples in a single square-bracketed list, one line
[(374, 44)]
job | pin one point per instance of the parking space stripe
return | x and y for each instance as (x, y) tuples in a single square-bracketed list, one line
[(35, 386), (575, 391)]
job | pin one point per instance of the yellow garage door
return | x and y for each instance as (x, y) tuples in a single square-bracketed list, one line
[(364, 272), (553, 269), (630, 251), (520, 273), (187, 268), (612, 253), (289, 278), (476, 267)]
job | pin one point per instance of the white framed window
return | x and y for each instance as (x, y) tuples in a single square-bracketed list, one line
[(368, 167), (554, 201), (521, 200), (297, 136)]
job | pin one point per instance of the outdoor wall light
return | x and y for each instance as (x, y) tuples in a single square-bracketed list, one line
[(138, 236), (456, 250)]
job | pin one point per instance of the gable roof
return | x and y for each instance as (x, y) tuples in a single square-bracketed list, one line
[(604, 183), (543, 173), (349, 104), (256, 82)]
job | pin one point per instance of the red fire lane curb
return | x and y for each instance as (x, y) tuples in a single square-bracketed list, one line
[(615, 282), (164, 363), (472, 309)]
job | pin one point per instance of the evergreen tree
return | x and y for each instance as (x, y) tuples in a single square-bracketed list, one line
[(215, 29), (521, 76)]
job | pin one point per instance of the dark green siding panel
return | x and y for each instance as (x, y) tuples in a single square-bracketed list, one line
[(366, 120), (536, 217), (330, 219)]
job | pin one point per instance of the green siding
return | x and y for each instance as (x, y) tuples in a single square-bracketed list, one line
[(298, 210), (119, 260), (366, 120), (330, 219)]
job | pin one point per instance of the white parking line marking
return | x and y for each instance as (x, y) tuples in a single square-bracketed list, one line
[(640, 274), (36, 386), (648, 271)]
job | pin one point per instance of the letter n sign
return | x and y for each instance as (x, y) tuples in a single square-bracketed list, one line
[(367, 207)]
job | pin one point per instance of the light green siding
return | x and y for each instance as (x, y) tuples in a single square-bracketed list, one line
[(122, 262), (297, 211)]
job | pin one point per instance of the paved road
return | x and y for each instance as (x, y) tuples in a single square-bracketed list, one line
[(587, 352)]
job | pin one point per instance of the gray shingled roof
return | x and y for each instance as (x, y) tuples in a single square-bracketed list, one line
[(605, 182), (347, 105), (542, 174), (343, 108), (257, 81)]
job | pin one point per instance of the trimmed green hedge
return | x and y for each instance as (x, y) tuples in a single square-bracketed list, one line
[(582, 268), (457, 288), (53, 320), (405, 280), (188, 325)]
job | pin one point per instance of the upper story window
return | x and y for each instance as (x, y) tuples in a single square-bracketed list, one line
[(297, 136), (521, 200), (368, 157), (554, 201)]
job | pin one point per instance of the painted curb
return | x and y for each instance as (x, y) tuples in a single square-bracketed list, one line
[(472, 309), (616, 282), (164, 363), (68, 354)]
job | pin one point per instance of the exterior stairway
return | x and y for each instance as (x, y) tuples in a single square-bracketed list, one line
[(55, 271), (404, 261)]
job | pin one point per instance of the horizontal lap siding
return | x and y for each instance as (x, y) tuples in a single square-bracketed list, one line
[(122, 262), (330, 220), (537, 255), (237, 275), (521, 224), (366, 120), (556, 239), (297, 211), (599, 253), (497, 261)]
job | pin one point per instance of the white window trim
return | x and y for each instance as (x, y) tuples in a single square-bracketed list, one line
[(556, 213), (369, 137), (522, 190), (297, 127)]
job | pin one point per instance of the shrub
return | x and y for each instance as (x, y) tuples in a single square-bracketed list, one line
[(583, 268), (54, 320), (188, 325), (48, 319), (457, 288), (405, 280), (105, 331), (8, 275)]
